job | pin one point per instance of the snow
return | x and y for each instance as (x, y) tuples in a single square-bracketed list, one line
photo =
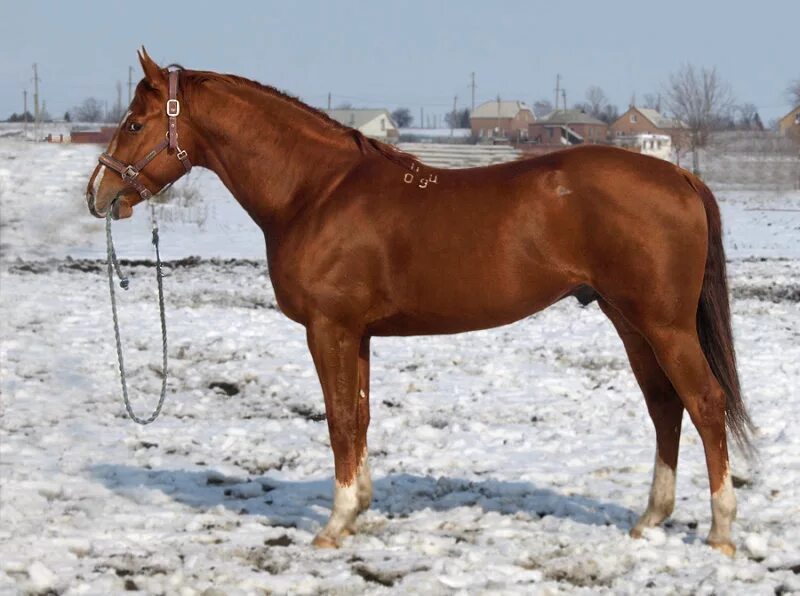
[(512, 460)]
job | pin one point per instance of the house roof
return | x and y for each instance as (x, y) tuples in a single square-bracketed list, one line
[(791, 114), (570, 117), (499, 109), (657, 119), (357, 117)]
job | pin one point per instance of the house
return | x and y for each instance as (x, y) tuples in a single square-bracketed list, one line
[(789, 125), (638, 121), (375, 123), (501, 120), (647, 144), (568, 127)]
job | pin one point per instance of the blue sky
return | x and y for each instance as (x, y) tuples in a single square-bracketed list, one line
[(414, 54)]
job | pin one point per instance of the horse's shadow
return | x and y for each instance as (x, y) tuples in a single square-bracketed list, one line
[(306, 504)]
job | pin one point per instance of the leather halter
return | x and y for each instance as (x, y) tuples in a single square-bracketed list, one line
[(130, 172)]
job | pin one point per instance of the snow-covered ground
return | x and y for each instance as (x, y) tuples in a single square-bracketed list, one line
[(505, 461)]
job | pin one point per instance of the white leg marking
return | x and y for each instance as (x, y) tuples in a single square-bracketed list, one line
[(364, 481), (723, 512), (662, 498), (348, 501), (343, 515)]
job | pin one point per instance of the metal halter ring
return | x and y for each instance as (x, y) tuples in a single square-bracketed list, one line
[(173, 108)]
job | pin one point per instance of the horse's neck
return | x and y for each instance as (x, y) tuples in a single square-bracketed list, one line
[(272, 155)]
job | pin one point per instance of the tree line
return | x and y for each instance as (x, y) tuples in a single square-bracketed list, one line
[(697, 97)]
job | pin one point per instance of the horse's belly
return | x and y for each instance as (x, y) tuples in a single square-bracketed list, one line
[(446, 309)]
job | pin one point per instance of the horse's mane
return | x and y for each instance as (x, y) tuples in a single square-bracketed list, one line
[(365, 144)]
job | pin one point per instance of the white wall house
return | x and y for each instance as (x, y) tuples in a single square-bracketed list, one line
[(377, 124), (648, 144)]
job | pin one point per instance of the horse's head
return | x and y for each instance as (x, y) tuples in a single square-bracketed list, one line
[(144, 155)]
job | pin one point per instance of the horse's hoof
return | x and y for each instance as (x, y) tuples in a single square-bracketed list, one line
[(323, 541), (636, 532), (363, 504), (727, 548)]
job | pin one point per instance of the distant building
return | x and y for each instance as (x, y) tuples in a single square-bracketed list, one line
[(638, 121), (789, 125), (647, 144), (376, 123), (568, 127), (98, 136), (501, 120)]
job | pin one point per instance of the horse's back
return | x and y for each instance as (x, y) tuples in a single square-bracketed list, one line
[(456, 250)]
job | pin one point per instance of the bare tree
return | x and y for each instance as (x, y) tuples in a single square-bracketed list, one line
[(596, 100), (748, 117), (698, 99), (610, 114), (457, 119), (793, 92), (116, 113), (91, 110), (402, 117)]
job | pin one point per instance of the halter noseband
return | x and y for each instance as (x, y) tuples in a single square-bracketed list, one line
[(130, 172)]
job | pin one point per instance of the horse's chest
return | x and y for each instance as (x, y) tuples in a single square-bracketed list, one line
[(289, 297)]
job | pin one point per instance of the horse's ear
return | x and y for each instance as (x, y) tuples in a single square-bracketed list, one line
[(152, 71)]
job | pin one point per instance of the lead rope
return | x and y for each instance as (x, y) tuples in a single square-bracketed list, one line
[(113, 265)]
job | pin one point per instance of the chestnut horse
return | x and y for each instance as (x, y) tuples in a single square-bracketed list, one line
[(363, 240)]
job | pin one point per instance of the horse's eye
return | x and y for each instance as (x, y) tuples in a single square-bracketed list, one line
[(134, 127)]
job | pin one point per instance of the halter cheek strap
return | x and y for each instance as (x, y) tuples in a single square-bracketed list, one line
[(130, 172)]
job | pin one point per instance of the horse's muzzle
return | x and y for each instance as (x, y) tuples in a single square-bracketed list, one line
[(92, 208), (121, 208)]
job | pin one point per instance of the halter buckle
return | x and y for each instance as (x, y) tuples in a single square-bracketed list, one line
[(173, 108), (181, 154), (129, 173)]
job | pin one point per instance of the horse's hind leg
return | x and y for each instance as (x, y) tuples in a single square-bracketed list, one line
[(335, 350), (678, 351), (364, 480), (666, 411)]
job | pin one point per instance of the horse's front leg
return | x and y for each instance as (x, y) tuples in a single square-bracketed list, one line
[(335, 349)]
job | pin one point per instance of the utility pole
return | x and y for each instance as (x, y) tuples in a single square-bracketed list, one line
[(421, 117), (25, 111), (453, 117), (472, 85), (130, 84), (35, 101), (558, 93), (329, 100), (498, 114), (564, 96), (119, 101)]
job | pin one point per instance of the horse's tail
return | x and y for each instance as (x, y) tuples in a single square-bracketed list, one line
[(714, 324)]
